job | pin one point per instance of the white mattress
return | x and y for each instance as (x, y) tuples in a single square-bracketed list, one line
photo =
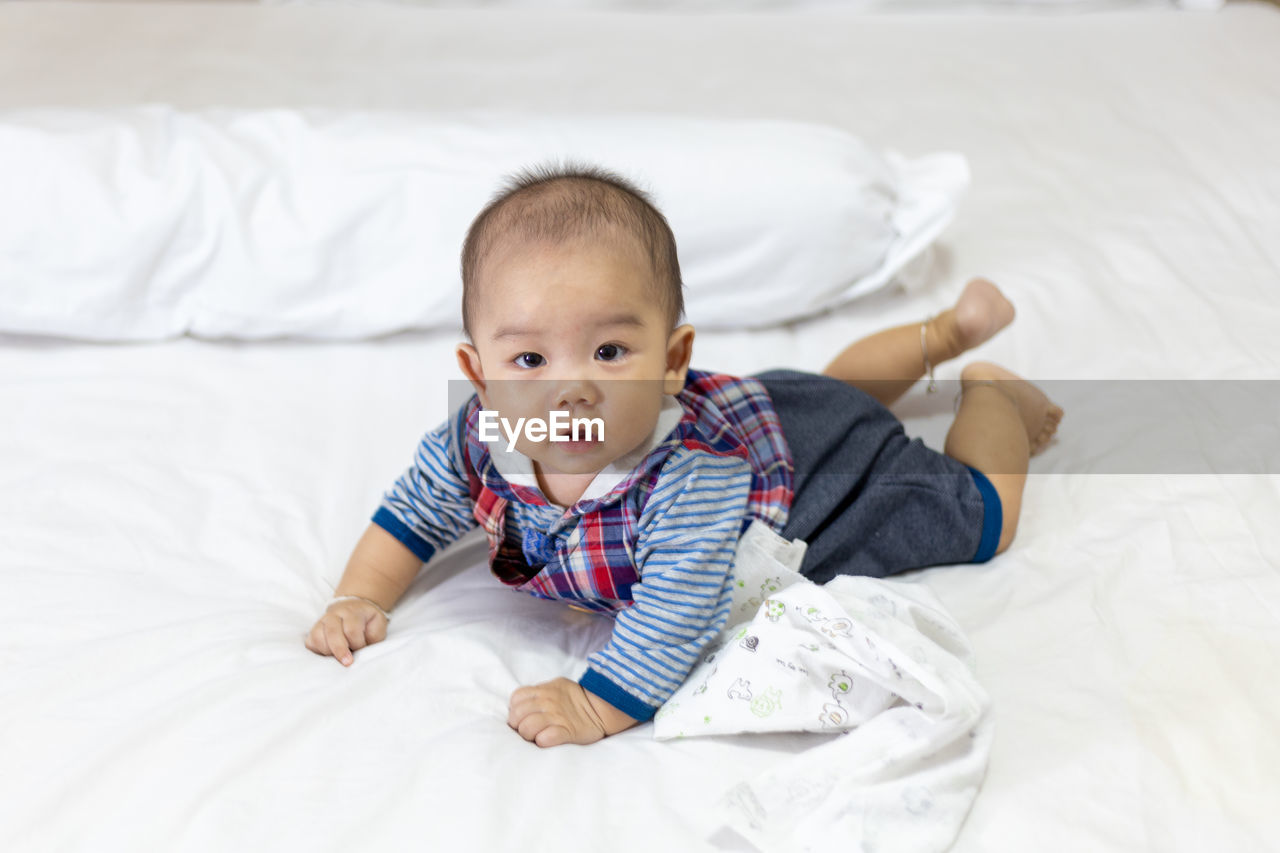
[(172, 516)]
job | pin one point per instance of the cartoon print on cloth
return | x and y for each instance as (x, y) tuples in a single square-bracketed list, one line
[(837, 627), (767, 588), (773, 609), (845, 668), (702, 688), (834, 716), (767, 702), (878, 660)]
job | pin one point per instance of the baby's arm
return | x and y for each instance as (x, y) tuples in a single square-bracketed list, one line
[(378, 573), (427, 508), (688, 535)]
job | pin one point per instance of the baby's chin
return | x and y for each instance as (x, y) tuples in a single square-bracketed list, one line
[(577, 457)]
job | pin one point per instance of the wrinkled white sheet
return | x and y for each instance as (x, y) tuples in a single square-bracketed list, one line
[(877, 660), (171, 516)]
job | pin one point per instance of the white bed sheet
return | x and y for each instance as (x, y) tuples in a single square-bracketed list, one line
[(171, 516)]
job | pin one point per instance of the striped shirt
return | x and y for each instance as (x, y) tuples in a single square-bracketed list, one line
[(651, 543)]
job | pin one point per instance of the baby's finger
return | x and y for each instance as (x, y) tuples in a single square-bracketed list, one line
[(533, 725), (552, 736), (337, 642), (524, 701), (353, 630), (316, 639), (519, 694), (376, 630), (313, 640), (515, 714)]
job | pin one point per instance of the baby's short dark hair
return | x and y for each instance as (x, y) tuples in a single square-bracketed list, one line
[(556, 203)]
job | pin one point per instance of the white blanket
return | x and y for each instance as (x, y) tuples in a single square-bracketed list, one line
[(877, 659)]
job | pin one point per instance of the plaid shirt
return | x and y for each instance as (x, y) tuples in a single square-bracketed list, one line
[(655, 550)]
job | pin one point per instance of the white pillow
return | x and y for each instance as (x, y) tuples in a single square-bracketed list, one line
[(147, 223)]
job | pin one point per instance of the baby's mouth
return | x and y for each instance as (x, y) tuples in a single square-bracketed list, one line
[(584, 438)]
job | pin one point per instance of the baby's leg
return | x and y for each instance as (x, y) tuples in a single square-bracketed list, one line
[(1003, 420), (888, 363)]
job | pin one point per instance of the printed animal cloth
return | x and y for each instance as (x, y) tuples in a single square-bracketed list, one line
[(878, 660)]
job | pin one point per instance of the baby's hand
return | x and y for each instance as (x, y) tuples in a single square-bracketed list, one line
[(561, 711), (346, 626)]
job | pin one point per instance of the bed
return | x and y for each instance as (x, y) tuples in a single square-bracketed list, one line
[(175, 512)]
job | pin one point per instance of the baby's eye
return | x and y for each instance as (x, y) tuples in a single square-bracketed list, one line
[(610, 352), (529, 359)]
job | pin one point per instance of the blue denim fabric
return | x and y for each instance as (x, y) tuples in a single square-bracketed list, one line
[(869, 500)]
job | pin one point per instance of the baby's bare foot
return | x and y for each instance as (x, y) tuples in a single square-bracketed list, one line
[(981, 311), (1040, 416)]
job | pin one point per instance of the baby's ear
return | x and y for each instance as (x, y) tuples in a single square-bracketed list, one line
[(679, 353), (469, 363)]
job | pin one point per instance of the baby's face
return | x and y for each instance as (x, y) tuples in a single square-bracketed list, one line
[(574, 328)]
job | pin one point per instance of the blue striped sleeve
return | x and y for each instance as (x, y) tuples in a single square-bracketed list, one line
[(429, 506), (687, 537)]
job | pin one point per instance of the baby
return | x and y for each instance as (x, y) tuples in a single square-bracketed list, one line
[(572, 304)]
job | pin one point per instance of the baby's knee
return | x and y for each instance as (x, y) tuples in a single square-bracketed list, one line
[(1007, 532), (1009, 489)]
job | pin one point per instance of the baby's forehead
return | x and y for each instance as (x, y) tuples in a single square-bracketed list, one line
[(527, 238), (514, 250), (546, 222), (591, 284)]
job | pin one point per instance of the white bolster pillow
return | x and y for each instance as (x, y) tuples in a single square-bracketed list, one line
[(147, 223)]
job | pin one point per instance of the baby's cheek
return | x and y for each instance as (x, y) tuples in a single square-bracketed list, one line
[(517, 399), (630, 425)]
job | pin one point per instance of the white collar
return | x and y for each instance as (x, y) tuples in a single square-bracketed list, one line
[(517, 469)]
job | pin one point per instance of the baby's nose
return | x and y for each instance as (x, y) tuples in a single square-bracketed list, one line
[(577, 393)]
